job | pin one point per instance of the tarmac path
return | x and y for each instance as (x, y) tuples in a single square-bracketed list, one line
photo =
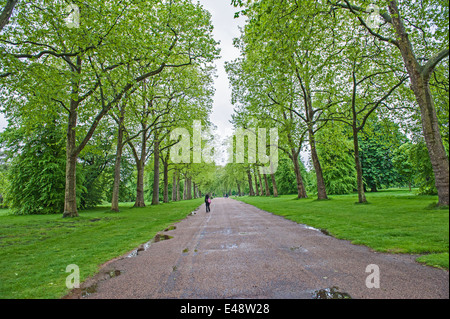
[(240, 251)]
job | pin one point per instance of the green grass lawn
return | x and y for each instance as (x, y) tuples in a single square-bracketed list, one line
[(394, 221), (35, 250)]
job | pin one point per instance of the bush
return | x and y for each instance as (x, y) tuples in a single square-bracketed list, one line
[(36, 177)]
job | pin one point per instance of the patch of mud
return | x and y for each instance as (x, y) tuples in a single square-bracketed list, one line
[(90, 286), (161, 237), (89, 291), (106, 272), (193, 213), (142, 247), (323, 231), (330, 293), (298, 248), (114, 273)]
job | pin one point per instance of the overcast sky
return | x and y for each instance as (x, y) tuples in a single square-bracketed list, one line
[(3, 122), (226, 28)]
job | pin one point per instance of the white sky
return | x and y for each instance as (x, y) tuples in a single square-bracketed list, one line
[(226, 28), (3, 122)]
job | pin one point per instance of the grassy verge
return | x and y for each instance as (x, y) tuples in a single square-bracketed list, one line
[(394, 221), (35, 250)]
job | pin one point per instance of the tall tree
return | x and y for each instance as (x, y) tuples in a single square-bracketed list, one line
[(372, 85), (419, 30), (119, 149)]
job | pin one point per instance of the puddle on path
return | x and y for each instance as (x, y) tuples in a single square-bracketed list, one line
[(85, 292), (229, 246), (330, 293), (92, 289), (114, 273), (108, 274), (159, 237), (298, 248), (323, 231)]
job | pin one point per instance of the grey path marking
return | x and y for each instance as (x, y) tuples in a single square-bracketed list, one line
[(240, 251)]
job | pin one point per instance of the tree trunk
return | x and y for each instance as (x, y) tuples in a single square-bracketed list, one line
[(266, 183), (274, 186), (116, 185), (309, 113), (261, 188), (189, 188), (359, 174), (70, 202), (174, 186), (433, 139), (140, 201), (321, 190), (70, 196), (195, 190), (166, 181), (256, 183), (178, 187), (155, 197), (250, 186), (7, 12), (239, 188), (140, 164), (420, 76), (301, 191)]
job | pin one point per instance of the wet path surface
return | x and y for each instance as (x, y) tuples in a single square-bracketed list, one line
[(239, 251)]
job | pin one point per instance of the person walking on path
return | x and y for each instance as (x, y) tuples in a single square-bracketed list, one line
[(208, 202)]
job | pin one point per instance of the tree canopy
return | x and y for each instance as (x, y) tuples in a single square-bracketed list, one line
[(94, 92)]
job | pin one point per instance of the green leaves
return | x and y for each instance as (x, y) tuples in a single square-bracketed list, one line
[(36, 175), (311, 64), (114, 47), (78, 73)]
